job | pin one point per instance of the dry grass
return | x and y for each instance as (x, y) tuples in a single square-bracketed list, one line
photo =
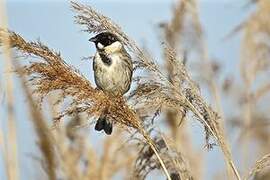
[(66, 152), (9, 144), (260, 164), (174, 161), (254, 65)]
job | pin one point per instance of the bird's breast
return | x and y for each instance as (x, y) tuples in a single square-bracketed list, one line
[(114, 78)]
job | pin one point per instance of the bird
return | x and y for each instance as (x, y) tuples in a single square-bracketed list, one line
[(113, 71)]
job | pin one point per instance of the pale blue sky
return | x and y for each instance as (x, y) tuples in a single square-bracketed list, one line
[(53, 23)]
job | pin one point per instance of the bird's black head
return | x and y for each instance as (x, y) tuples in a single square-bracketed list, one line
[(104, 38)]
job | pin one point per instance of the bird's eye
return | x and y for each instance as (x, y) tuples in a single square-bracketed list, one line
[(111, 38)]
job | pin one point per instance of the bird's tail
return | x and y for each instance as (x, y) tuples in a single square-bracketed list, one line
[(105, 124)]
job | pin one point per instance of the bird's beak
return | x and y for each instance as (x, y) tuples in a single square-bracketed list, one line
[(93, 39)]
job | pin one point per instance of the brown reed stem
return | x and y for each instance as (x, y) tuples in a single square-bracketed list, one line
[(151, 143), (12, 154)]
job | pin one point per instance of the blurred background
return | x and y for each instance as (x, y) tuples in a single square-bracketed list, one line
[(226, 45)]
